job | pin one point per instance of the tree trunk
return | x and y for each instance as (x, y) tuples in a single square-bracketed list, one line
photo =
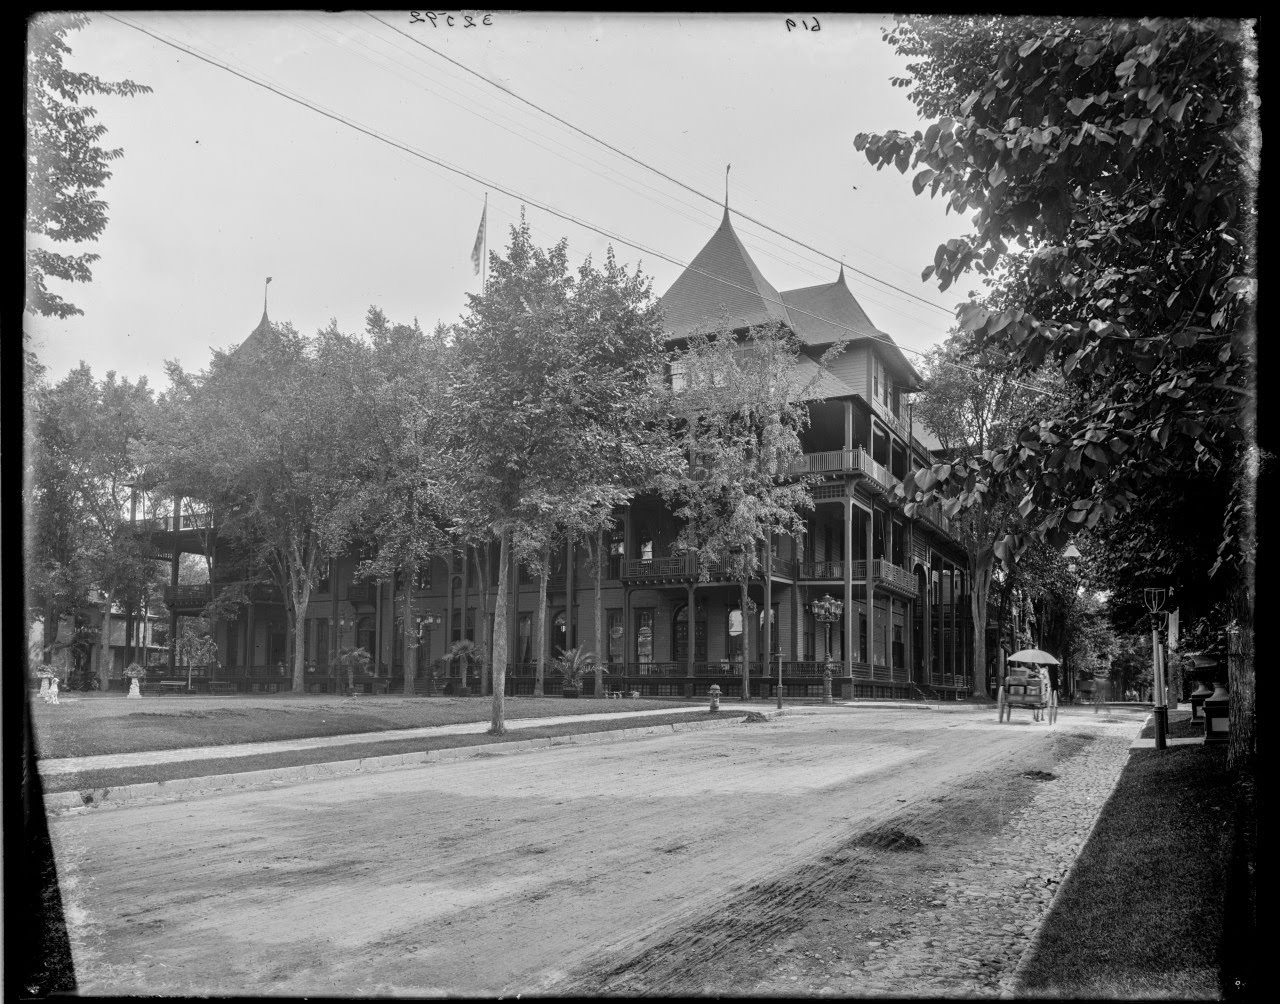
[(541, 634), (51, 625), (1240, 676), (410, 630), (599, 614), (979, 598), (298, 614), (746, 640), (104, 643), (497, 726)]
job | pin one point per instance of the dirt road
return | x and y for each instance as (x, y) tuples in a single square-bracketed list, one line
[(508, 873)]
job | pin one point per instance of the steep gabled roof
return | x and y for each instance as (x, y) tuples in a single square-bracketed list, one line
[(821, 315), (721, 286)]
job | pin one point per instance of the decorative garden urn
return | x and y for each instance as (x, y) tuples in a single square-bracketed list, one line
[(134, 690)]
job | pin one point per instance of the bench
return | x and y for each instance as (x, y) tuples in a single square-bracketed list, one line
[(163, 686), (220, 687)]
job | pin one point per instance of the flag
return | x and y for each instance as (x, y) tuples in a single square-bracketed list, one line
[(1173, 631), (477, 250), (268, 278)]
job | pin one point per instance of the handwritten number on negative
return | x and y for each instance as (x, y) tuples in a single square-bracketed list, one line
[(439, 18), (804, 23)]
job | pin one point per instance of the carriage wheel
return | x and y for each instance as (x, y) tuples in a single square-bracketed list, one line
[(1000, 704)]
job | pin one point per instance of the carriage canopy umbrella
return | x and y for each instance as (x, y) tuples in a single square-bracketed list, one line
[(1034, 655)]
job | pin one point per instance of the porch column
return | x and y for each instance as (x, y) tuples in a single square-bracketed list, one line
[(627, 640), (850, 625), (513, 582), (466, 588), (690, 632), (848, 425), (334, 640), (766, 654), (871, 598), (570, 589), (173, 581)]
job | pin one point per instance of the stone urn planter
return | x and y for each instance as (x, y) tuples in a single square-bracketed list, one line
[(135, 674), (573, 665)]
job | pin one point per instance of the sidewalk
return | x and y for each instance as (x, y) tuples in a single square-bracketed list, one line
[(142, 758)]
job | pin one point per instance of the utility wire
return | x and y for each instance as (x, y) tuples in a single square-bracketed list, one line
[(650, 167), (373, 134)]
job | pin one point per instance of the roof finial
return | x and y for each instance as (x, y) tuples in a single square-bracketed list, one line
[(726, 186), (840, 277), (264, 295)]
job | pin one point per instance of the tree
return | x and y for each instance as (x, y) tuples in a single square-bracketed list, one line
[(398, 380), (265, 438), (66, 168), (82, 465), (552, 380), (737, 409), (972, 405), (1111, 168)]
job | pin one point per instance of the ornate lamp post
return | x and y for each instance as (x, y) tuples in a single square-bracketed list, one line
[(1154, 599), (827, 610), (429, 620)]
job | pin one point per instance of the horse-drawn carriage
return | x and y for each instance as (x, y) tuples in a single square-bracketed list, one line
[(1026, 684)]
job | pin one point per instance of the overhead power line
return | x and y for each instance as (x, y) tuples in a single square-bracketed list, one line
[(650, 167), (568, 217)]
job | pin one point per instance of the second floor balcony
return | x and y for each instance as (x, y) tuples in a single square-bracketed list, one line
[(855, 461)]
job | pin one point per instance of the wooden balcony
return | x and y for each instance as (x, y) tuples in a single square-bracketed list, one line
[(187, 597), (822, 570), (168, 524), (684, 568), (855, 461), (895, 579)]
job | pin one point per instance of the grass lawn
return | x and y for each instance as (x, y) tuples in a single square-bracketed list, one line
[(96, 725), (1142, 913), (117, 776), (1180, 726)]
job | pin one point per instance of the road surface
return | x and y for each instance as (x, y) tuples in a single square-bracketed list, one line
[(498, 875)]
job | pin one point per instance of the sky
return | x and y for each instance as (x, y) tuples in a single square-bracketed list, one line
[(224, 183)]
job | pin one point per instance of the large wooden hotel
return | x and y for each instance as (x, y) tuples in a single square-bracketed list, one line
[(902, 584)]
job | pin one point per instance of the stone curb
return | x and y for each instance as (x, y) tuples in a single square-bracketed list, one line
[(86, 800)]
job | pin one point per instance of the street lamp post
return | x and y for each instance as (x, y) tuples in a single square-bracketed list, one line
[(1154, 599), (430, 619), (827, 610)]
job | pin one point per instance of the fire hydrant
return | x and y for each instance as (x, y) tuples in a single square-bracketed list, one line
[(715, 697)]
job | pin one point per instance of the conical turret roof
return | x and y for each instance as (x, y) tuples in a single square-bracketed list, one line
[(721, 286)]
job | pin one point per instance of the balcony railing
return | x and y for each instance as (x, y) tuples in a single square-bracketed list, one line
[(187, 521), (684, 567), (188, 597), (891, 575), (822, 570)]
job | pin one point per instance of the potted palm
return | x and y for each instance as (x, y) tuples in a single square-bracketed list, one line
[(464, 653), (573, 664), (352, 659)]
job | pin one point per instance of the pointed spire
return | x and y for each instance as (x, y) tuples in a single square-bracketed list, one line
[(264, 297), (840, 277)]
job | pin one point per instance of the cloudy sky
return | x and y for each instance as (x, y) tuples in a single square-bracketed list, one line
[(224, 182)]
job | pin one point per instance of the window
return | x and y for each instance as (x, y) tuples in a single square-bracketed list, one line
[(322, 641), (680, 634), (322, 579), (524, 636), (644, 635), (559, 639), (613, 618), (422, 579), (617, 550), (899, 543), (862, 636), (364, 635)]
